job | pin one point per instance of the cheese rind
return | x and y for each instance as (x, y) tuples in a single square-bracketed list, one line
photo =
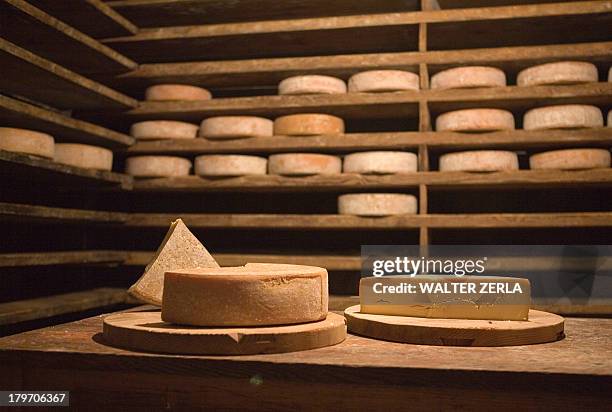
[(235, 127), (173, 92), (568, 116), (475, 120), (163, 129), (380, 162), (468, 77), (256, 294), (479, 161), (569, 72), (308, 124), (571, 159), (383, 81), (376, 204), (26, 142), (230, 165), (303, 164), (311, 84), (157, 166), (83, 155)]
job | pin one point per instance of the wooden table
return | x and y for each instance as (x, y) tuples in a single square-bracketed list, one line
[(359, 374)]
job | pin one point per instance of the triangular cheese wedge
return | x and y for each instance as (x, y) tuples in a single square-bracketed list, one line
[(180, 249)]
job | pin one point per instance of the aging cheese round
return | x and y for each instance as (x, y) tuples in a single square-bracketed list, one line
[(479, 161), (380, 162), (163, 129), (166, 92), (230, 165), (570, 72), (157, 166), (235, 127), (571, 159), (468, 77), (383, 81), (311, 84), (83, 155), (308, 125), (376, 204), (26, 142), (257, 294), (569, 116), (475, 120), (303, 164)]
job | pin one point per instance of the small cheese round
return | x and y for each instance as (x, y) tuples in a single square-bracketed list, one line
[(380, 162), (479, 161), (311, 84), (230, 165), (236, 127), (308, 125), (163, 129), (303, 164), (475, 120), (558, 73), (383, 81), (571, 159), (569, 116), (27, 142), (165, 92), (376, 204), (257, 294), (467, 77), (157, 166), (83, 155)]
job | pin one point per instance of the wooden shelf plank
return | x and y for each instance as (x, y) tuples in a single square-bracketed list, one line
[(75, 257), (35, 213)]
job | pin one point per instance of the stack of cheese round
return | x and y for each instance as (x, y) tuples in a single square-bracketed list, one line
[(304, 164), (569, 116), (468, 77), (26, 142), (311, 84), (475, 120), (558, 73), (479, 161), (83, 155), (380, 162), (257, 294), (166, 92), (309, 124), (163, 129), (235, 127), (230, 165), (376, 204), (571, 159), (383, 81), (157, 166)]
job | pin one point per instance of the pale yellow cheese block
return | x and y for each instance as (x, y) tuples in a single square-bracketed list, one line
[(173, 92), (568, 116), (479, 161), (230, 165), (157, 166), (308, 124), (569, 72), (475, 120), (257, 294), (26, 142), (83, 155), (303, 164), (468, 77), (234, 127), (180, 249), (376, 204), (380, 162), (311, 84), (571, 159), (163, 129), (383, 81)]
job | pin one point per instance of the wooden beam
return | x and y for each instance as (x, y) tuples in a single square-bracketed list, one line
[(75, 257), (36, 213)]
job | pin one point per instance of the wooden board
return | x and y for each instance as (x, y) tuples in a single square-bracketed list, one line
[(145, 331), (17, 212), (75, 257), (542, 327)]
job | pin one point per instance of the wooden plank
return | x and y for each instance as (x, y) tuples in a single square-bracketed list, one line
[(76, 257), (35, 213)]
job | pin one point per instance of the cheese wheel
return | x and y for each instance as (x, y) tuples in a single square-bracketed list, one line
[(233, 127), (380, 162), (568, 116), (383, 81), (165, 92), (230, 165), (479, 161), (83, 155), (163, 129), (308, 125), (157, 166), (571, 159), (558, 73), (376, 204), (475, 120), (257, 294), (467, 77), (311, 84), (303, 164), (26, 142)]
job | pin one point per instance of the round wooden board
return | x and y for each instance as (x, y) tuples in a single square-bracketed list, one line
[(145, 331), (540, 328)]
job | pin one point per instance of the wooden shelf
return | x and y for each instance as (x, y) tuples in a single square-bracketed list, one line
[(75, 257), (44, 214)]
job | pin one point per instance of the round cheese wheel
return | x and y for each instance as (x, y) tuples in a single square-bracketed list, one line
[(157, 166), (558, 73), (256, 294), (163, 129), (230, 165), (308, 125), (569, 116), (83, 155), (27, 142), (303, 164), (571, 159), (380, 162), (164, 92), (383, 81), (479, 161), (469, 76), (475, 120), (235, 127), (311, 84), (376, 204)]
